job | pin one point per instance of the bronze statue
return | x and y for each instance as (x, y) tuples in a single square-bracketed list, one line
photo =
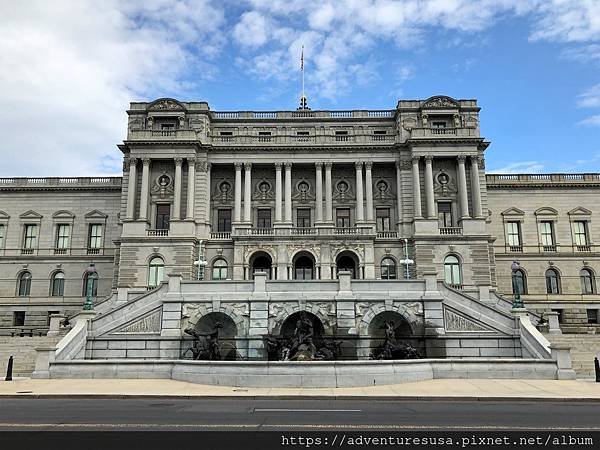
[(391, 348), (206, 345)]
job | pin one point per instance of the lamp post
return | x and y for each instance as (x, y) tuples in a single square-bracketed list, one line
[(90, 273), (517, 302), (406, 261)]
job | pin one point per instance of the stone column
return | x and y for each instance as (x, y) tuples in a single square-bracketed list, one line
[(399, 193), (288, 192), (237, 213), (131, 188), (319, 192), (416, 188), (177, 194), (369, 190), (208, 193), (429, 187), (189, 210), (360, 211), (247, 191), (328, 193), (476, 187), (462, 188), (278, 193), (145, 188)]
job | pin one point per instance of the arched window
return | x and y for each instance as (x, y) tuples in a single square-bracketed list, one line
[(90, 279), (156, 271), (452, 273), (303, 268), (24, 284), (552, 282), (588, 284), (519, 282), (57, 285), (219, 271), (388, 269)]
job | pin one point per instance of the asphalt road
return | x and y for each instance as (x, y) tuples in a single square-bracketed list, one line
[(273, 415)]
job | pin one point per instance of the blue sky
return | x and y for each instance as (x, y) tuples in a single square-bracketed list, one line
[(71, 67)]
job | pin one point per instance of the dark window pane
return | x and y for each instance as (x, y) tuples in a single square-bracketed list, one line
[(224, 220), (163, 216), (264, 218), (303, 218)]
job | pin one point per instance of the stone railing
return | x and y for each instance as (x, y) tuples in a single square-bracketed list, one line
[(444, 132), (282, 139), (303, 114), (538, 248), (60, 182), (166, 135), (49, 251), (293, 231), (220, 235), (387, 235), (158, 233), (451, 230), (510, 179)]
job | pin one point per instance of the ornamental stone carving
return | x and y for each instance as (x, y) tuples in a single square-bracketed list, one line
[(270, 249), (409, 123), (312, 248), (166, 104), (440, 102), (337, 248), (148, 324), (456, 322)]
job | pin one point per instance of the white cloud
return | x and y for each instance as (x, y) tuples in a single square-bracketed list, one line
[(70, 69), (585, 53), (590, 98), (592, 121), (252, 30), (519, 167)]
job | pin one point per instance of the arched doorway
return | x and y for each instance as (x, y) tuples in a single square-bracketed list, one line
[(402, 333), (304, 267), (288, 327), (261, 262), (207, 325), (348, 260)]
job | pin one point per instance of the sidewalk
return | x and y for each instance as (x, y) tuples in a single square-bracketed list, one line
[(496, 390)]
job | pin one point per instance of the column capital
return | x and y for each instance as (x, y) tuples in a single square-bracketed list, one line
[(428, 158), (288, 165), (328, 165), (415, 159), (278, 165), (461, 159), (132, 161), (368, 165), (191, 161), (359, 164), (178, 161), (146, 161), (319, 164), (476, 159), (237, 165), (248, 166)]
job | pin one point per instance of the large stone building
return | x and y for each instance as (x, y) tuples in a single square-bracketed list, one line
[(301, 195)]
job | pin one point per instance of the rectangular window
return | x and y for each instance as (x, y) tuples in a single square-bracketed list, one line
[(580, 232), (163, 216), (95, 236), (438, 124), (167, 126), (1, 236), (445, 214), (224, 220), (342, 217), (18, 318), (547, 234), (592, 316), (226, 133), (382, 217), (513, 234), (264, 218), (30, 240), (63, 234), (303, 218)]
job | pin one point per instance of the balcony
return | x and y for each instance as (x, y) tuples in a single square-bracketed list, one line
[(387, 235), (27, 251), (60, 251), (583, 248), (309, 231), (60, 182), (221, 236), (158, 232), (549, 248), (515, 248), (93, 251), (450, 230), (317, 138), (162, 135), (462, 132)]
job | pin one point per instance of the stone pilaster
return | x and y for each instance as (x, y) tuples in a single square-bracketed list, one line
[(145, 189), (319, 192), (417, 213), (247, 192), (429, 187), (189, 210), (176, 214), (328, 194), (237, 213), (462, 187), (360, 212), (131, 188), (278, 192)]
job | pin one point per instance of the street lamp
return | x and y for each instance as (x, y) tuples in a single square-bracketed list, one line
[(406, 261), (517, 302), (201, 263), (89, 277)]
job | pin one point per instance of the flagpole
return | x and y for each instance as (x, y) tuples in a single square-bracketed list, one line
[(303, 71)]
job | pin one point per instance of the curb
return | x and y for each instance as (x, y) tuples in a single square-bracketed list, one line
[(304, 397)]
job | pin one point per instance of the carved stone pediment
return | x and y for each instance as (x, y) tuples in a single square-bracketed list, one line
[(440, 101), (166, 104)]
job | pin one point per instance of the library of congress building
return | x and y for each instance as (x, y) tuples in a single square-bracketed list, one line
[(302, 195)]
